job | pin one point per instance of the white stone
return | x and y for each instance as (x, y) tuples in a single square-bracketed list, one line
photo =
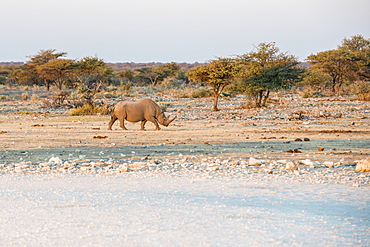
[(55, 160), (291, 166), (309, 163), (363, 165), (255, 162), (329, 164)]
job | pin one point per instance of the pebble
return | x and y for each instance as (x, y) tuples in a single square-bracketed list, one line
[(302, 170), (363, 165)]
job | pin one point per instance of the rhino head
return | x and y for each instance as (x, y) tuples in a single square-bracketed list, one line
[(165, 121)]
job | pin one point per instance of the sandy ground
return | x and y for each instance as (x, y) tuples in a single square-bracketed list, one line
[(188, 208)]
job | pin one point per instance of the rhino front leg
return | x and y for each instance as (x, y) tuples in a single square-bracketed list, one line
[(155, 122), (111, 122), (156, 125)]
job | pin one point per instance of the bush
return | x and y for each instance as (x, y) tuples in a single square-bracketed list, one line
[(4, 97), (249, 104), (163, 106), (88, 109), (361, 89), (201, 93), (363, 96), (25, 96), (126, 86), (307, 94), (34, 97)]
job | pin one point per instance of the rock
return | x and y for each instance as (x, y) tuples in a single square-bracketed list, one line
[(309, 163), (100, 137), (290, 165), (292, 151), (137, 165), (123, 168), (329, 164), (55, 160), (255, 162), (320, 149), (282, 162), (306, 139), (298, 140), (363, 165)]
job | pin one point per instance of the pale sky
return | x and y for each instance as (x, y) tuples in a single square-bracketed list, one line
[(176, 31)]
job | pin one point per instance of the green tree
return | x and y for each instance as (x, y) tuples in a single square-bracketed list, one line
[(57, 70), (157, 74), (266, 69), (18, 76), (359, 49), (217, 73), (335, 63), (348, 63), (315, 80), (41, 58), (91, 74), (126, 75)]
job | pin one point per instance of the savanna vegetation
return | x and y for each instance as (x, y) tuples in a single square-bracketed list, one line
[(255, 74)]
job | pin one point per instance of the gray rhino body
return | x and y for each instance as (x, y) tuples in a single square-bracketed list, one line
[(143, 110)]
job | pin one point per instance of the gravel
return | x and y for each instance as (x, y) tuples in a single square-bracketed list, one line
[(186, 207)]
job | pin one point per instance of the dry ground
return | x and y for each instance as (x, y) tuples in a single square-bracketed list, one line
[(339, 126), (163, 205)]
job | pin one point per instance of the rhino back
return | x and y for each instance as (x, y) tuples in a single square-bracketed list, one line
[(137, 111), (119, 109)]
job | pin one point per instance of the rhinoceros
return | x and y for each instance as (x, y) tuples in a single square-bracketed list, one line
[(143, 110)]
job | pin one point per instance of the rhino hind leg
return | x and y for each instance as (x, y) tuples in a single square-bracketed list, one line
[(111, 122), (143, 124), (122, 123)]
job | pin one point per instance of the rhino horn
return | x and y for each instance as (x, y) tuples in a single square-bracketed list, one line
[(167, 121)]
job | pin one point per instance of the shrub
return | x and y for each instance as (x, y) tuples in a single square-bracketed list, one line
[(126, 86), (4, 97), (163, 106), (34, 97), (183, 96), (26, 112), (201, 93), (25, 96), (88, 109), (306, 94), (249, 104), (362, 90), (363, 96), (59, 97)]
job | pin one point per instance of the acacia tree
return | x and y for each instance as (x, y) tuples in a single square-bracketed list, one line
[(18, 76), (158, 73), (57, 70), (126, 75), (33, 66), (348, 63), (359, 49), (217, 73), (266, 69), (91, 73), (335, 63)]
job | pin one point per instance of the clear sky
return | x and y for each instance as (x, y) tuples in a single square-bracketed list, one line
[(176, 31)]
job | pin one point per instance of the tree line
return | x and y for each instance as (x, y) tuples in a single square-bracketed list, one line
[(257, 73)]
